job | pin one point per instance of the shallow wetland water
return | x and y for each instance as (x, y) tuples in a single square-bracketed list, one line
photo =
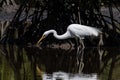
[(33, 63)]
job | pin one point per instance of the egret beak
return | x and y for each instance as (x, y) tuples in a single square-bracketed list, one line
[(43, 36)]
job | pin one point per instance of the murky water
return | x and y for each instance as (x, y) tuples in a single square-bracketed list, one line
[(34, 63)]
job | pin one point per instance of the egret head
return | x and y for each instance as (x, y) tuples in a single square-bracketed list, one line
[(45, 34)]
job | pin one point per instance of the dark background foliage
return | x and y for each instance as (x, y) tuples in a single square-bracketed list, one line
[(58, 14)]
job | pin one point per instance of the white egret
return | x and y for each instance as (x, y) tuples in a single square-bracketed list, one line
[(73, 31)]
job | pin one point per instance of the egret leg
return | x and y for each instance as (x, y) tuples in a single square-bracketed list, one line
[(100, 41), (81, 66), (80, 52), (99, 46), (100, 54), (82, 43), (80, 63), (78, 47)]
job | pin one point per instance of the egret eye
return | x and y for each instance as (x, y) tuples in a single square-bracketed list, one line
[(44, 36)]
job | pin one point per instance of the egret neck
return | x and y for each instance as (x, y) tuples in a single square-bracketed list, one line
[(63, 36)]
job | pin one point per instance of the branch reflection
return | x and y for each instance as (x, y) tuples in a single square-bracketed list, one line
[(20, 62)]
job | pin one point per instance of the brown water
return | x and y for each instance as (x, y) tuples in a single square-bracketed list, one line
[(34, 63)]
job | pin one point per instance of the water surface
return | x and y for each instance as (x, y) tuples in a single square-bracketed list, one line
[(34, 63)]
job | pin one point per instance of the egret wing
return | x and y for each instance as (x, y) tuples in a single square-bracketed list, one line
[(81, 30)]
